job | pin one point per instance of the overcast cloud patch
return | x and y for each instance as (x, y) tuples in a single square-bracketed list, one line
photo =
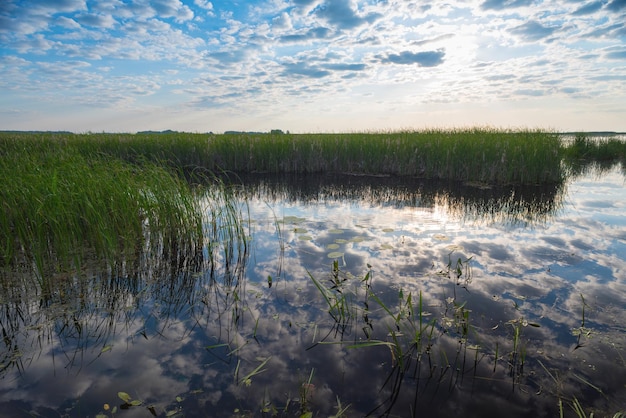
[(311, 34), (616, 5), (532, 31), (345, 67), (423, 59), (587, 9), (340, 13), (617, 55), (505, 4), (303, 69)]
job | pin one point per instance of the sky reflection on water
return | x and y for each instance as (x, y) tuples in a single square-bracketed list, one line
[(537, 256)]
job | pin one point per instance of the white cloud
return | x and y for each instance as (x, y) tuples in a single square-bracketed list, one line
[(433, 50)]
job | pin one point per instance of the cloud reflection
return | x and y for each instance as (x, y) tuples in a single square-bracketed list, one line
[(224, 343)]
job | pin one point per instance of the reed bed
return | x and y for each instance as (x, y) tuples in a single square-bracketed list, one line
[(60, 204), (493, 156), (477, 155), (592, 148)]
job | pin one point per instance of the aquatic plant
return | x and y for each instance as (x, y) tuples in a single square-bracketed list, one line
[(62, 205), (590, 153), (484, 155), (480, 154)]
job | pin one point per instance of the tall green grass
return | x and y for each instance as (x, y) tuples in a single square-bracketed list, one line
[(485, 155), (481, 155), (59, 205), (588, 153), (587, 147)]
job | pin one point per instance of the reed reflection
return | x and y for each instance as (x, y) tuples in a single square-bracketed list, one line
[(79, 314), (515, 205)]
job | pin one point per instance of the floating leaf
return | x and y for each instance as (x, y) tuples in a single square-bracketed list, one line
[(335, 254), (305, 237), (386, 247), (357, 239), (124, 396), (179, 399), (171, 413), (332, 246), (440, 237), (293, 219), (335, 231), (300, 230), (135, 402), (388, 229), (341, 241), (106, 348), (454, 247)]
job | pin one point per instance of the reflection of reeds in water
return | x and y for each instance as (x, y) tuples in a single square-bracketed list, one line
[(88, 309), (508, 205)]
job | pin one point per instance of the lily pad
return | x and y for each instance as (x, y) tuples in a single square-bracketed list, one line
[(332, 246), (305, 237), (335, 231), (335, 254), (341, 241), (300, 230), (388, 229)]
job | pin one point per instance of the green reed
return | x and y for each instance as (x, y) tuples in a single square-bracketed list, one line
[(482, 155), (61, 204), (588, 153), (588, 147), (486, 155)]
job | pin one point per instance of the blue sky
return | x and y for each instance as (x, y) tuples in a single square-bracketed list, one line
[(311, 65)]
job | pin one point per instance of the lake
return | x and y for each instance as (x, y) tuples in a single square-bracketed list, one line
[(350, 296)]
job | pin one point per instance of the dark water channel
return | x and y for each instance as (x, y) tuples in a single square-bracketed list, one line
[(351, 296)]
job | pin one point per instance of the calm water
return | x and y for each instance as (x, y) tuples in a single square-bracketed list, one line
[(522, 290)]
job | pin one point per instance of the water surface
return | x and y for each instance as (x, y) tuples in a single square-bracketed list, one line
[(517, 295)]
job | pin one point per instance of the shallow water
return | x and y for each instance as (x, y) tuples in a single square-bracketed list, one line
[(251, 335)]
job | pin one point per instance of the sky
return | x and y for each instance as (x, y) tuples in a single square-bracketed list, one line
[(312, 65)]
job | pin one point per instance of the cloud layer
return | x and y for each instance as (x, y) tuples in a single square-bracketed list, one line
[(311, 64)]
